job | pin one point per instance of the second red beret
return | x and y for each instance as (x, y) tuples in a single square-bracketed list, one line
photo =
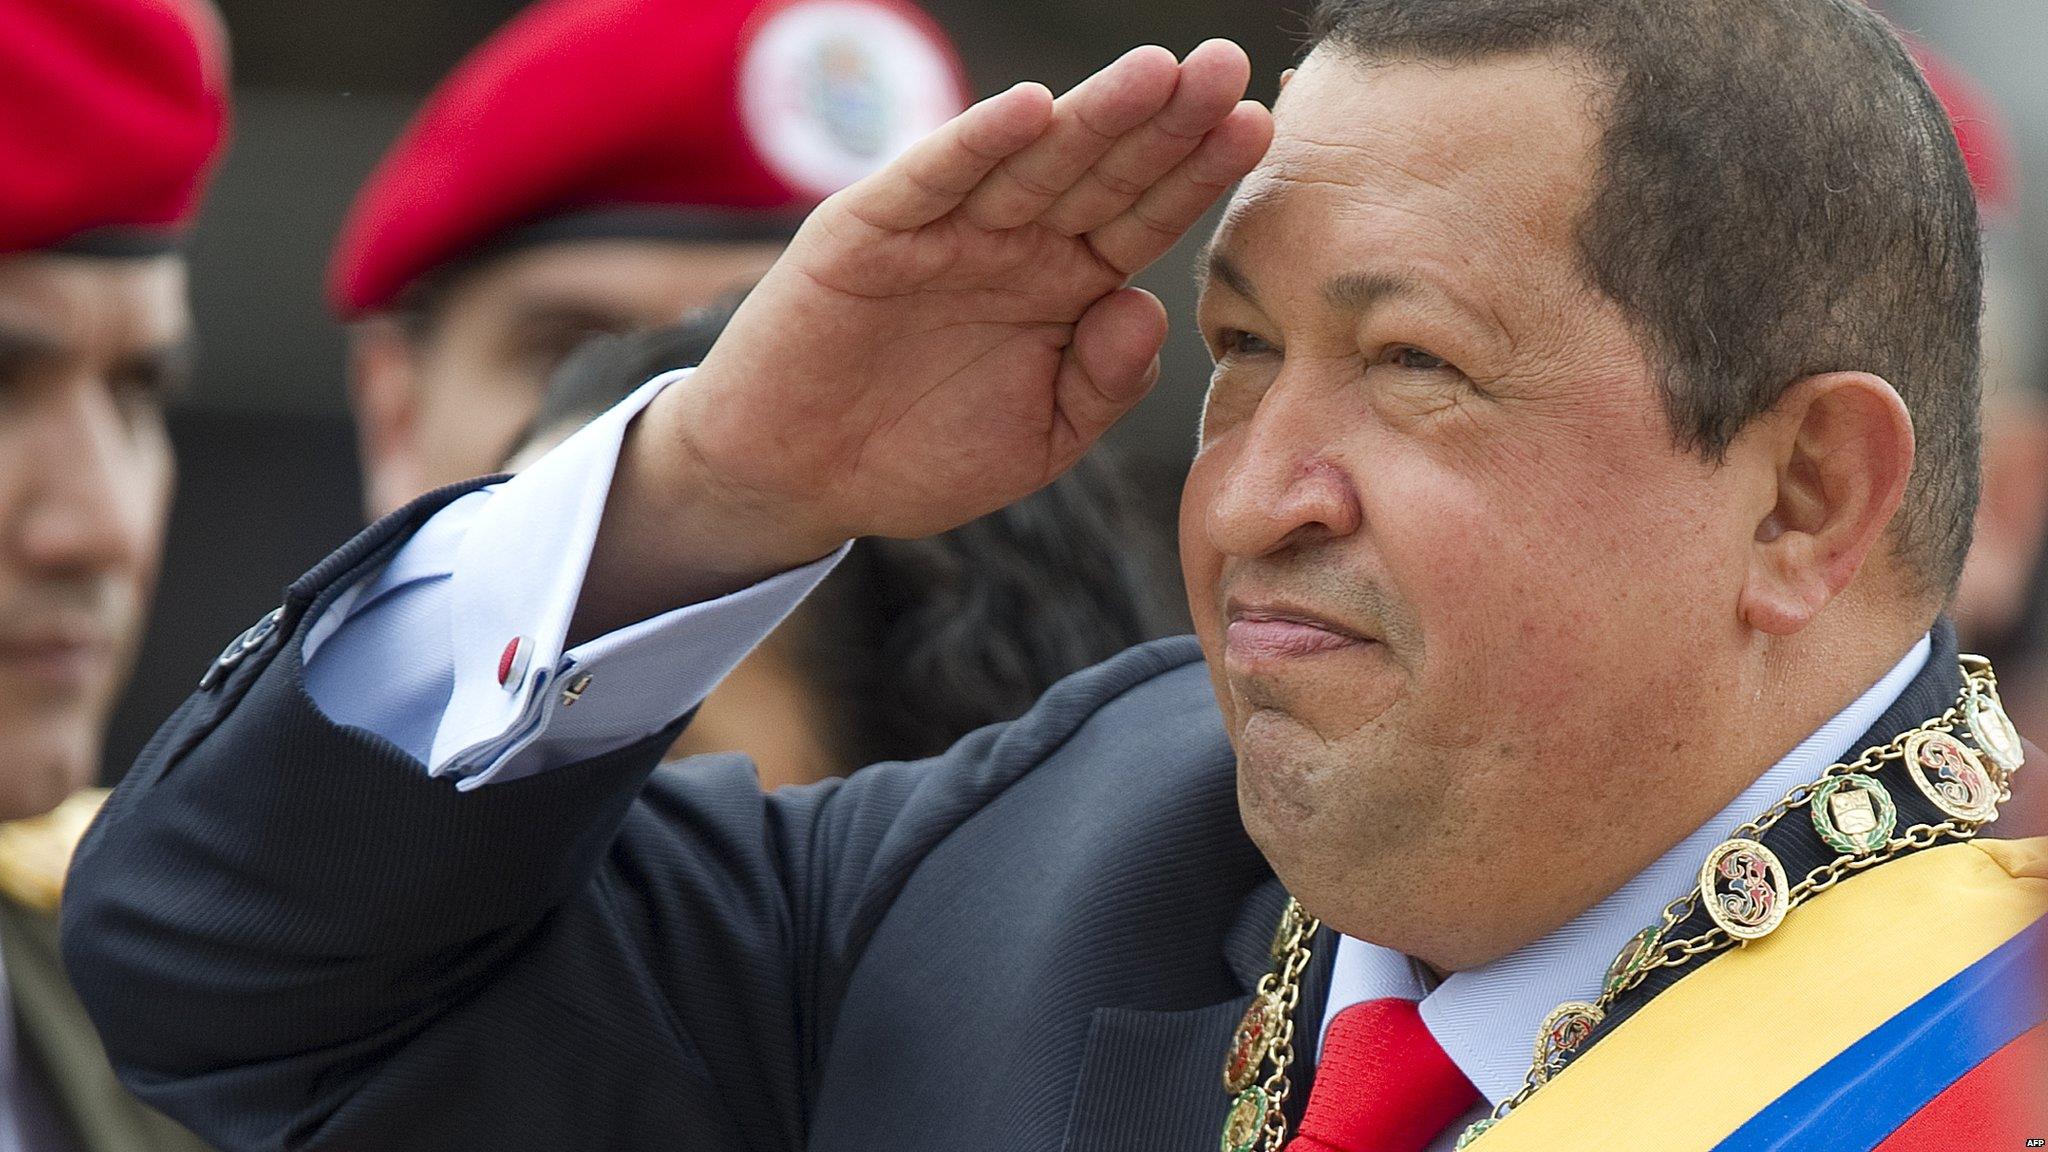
[(731, 109)]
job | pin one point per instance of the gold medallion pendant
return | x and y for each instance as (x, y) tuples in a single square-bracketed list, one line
[(1470, 1136), (1262, 1047), (1254, 1039), (1564, 1032), (1948, 773), (1246, 1122), (1993, 731), (1287, 936), (1743, 885), (1745, 889), (1854, 814), (1633, 958)]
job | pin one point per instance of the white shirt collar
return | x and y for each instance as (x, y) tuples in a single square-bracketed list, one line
[(1486, 1018)]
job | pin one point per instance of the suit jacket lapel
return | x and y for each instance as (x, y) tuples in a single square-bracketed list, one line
[(1152, 1081)]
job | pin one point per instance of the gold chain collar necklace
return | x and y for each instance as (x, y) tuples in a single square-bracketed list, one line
[(1743, 887)]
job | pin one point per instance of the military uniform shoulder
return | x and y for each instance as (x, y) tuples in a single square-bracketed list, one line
[(35, 853)]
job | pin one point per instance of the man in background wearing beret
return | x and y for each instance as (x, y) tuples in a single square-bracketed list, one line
[(111, 112), (1589, 457), (602, 166)]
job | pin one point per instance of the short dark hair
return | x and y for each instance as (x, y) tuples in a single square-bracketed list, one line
[(1779, 195)]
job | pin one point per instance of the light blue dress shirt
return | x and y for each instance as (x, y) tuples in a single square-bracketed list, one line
[(412, 653)]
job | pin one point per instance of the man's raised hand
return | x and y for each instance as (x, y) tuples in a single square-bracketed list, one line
[(946, 336)]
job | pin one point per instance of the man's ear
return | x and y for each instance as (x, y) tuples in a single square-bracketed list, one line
[(1285, 77), (384, 392), (1838, 449)]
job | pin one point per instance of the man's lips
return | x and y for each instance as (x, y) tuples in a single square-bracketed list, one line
[(73, 659), (1256, 635)]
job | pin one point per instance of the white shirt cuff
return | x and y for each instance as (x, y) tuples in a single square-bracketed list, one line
[(498, 574)]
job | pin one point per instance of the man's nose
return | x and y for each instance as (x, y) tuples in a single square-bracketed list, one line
[(80, 485), (1286, 485)]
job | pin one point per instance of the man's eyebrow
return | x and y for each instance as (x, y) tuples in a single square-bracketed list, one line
[(1214, 265), (555, 315), (1360, 291), (24, 346), (167, 368)]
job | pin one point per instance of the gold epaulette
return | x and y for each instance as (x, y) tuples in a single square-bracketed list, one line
[(35, 853)]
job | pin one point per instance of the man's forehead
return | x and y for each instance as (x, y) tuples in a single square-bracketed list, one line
[(637, 280), (1508, 143), (73, 304), (1438, 114)]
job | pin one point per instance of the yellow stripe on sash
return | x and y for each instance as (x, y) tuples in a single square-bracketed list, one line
[(1724, 1042)]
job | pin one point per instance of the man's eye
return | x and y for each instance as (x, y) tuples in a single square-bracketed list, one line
[(1236, 342), (1404, 356)]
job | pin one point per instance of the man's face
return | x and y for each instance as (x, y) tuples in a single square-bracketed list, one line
[(88, 350), (1453, 576), (450, 401), (1991, 603)]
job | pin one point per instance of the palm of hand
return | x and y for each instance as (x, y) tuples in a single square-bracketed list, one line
[(953, 333)]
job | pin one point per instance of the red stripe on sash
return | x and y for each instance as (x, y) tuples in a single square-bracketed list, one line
[(2001, 1103)]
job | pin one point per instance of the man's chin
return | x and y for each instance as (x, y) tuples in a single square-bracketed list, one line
[(1285, 782), (1278, 761), (40, 772)]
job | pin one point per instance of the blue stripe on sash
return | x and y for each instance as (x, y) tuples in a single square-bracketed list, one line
[(1851, 1103)]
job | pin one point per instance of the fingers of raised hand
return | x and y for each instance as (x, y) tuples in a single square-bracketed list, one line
[(1131, 157), (1212, 80), (1086, 123), (1111, 362), (938, 173), (1162, 215)]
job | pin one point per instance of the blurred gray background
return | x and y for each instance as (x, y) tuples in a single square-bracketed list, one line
[(268, 477)]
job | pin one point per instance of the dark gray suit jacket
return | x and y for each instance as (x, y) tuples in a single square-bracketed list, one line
[(291, 937)]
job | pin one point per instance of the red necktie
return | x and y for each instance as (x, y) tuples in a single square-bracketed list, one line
[(1383, 1085)]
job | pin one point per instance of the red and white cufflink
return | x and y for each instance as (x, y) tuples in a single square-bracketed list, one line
[(512, 663)]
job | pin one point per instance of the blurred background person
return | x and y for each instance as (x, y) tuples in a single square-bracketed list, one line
[(267, 449), (111, 112), (2001, 604), (602, 166), (909, 644)]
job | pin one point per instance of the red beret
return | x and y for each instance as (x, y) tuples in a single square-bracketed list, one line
[(1981, 129), (694, 118), (111, 113)]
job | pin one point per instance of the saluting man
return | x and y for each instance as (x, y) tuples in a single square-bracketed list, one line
[(111, 113), (1572, 753), (602, 166)]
